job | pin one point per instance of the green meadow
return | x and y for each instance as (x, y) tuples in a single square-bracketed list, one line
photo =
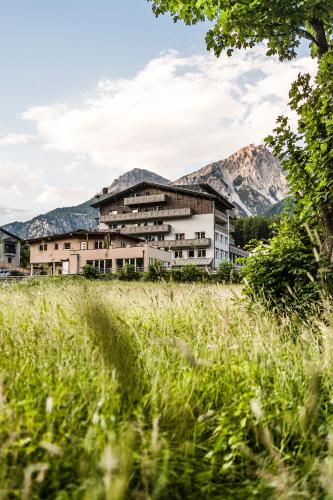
[(112, 390)]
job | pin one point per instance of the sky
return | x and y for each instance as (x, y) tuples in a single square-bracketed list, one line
[(90, 89)]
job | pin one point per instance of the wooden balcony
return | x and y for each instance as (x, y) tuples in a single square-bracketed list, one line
[(220, 215), (136, 230), (187, 243), (149, 215), (141, 200)]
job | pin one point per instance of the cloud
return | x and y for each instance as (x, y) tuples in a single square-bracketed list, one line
[(14, 139), (15, 178), (62, 195), (177, 113), (8, 215)]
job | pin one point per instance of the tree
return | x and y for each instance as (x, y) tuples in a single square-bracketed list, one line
[(241, 24)]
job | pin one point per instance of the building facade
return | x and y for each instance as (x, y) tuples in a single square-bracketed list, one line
[(107, 251), (10, 250), (194, 222)]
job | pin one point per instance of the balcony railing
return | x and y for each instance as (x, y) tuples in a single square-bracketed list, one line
[(187, 243), (238, 251), (140, 200), (162, 228), (149, 215), (231, 228), (222, 229), (220, 215)]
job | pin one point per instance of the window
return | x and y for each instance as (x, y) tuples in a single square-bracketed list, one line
[(84, 245), (216, 253), (114, 226), (191, 254), (201, 252), (56, 246), (114, 212), (67, 245), (178, 254), (200, 234), (158, 222), (43, 247), (226, 240), (98, 245), (9, 260), (217, 236), (160, 237), (150, 238), (10, 247), (122, 244), (180, 236)]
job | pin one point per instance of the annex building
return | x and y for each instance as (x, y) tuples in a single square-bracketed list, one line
[(106, 250)]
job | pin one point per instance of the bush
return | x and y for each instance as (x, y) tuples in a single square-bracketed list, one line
[(227, 273), (129, 273), (191, 274), (156, 272), (90, 272), (284, 274)]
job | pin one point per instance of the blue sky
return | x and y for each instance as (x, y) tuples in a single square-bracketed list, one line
[(90, 89)]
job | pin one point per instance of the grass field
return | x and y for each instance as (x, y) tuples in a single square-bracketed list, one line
[(152, 391)]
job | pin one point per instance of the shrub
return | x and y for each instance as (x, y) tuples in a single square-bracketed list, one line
[(129, 273), (191, 274), (156, 272), (90, 272), (176, 275), (227, 273), (284, 274)]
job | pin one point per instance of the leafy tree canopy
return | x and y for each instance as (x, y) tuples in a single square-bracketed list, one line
[(239, 24), (307, 153)]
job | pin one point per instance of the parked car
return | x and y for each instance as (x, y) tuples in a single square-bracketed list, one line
[(10, 273)]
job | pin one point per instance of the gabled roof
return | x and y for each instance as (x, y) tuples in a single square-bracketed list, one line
[(81, 233), (10, 234), (201, 190)]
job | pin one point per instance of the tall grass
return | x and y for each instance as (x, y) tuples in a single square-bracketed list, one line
[(152, 391)]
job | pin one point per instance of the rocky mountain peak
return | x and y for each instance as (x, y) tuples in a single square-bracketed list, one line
[(251, 178), (133, 177)]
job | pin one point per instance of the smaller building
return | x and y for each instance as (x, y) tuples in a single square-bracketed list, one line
[(10, 250), (107, 251)]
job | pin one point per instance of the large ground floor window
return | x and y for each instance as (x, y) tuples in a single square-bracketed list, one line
[(103, 266)]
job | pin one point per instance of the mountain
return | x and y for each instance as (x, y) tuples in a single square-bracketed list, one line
[(134, 177), (285, 205), (60, 220), (63, 220), (252, 179)]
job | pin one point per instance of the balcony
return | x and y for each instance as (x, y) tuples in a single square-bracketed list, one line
[(238, 251), (140, 200), (149, 215), (222, 229), (220, 215), (189, 243), (231, 228), (162, 228), (231, 241)]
